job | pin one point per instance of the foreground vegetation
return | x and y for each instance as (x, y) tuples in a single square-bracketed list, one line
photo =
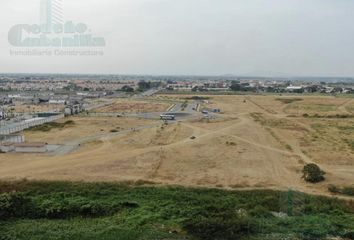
[(64, 210)]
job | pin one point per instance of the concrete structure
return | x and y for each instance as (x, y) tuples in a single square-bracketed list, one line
[(7, 147), (73, 109), (12, 138), (295, 89), (30, 147), (2, 114), (57, 101)]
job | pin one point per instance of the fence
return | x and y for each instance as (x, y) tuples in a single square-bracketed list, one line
[(20, 126), (12, 138)]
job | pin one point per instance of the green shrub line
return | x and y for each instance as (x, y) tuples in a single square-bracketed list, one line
[(197, 98), (289, 100), (316, 115), (46, 127), (76, 210), (348, 191)]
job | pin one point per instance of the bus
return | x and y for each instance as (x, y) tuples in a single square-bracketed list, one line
[(167, 117)]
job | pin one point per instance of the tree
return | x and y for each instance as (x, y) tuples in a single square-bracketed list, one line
[(127, 89), (312, 173), (144, 85), (236, 86)]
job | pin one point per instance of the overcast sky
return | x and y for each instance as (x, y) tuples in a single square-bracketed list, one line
[(199, 37)]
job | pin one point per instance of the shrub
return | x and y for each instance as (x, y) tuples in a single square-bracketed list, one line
[(289, 100), (313, 174), (219, 227), (13, 205), (46, 127), (69, 122), (333, 189), (17, 205), (260, 211), (349, 235), (127, 89), (348, 191), (62, 209)]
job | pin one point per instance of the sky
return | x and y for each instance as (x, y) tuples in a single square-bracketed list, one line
[(196, 37)]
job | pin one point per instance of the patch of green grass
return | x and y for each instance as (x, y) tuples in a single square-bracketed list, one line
[(46, 127), (65, 210)]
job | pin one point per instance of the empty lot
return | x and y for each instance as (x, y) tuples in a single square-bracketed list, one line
[(256, 142)]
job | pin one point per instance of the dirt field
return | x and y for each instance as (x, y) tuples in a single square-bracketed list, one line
[(256, 142), (84, 127)]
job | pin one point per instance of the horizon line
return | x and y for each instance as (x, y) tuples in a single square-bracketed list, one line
[(174, 75)]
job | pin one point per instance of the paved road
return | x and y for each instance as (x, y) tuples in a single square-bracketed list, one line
[(177, 107), (147, 93), (150, 92), (99, 105)]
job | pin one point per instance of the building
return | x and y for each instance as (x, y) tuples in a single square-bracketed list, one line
[(73, 109), (295, 89), (2, 114), (57, 101)]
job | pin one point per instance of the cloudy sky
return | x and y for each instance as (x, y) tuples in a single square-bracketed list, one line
[(199, 37)]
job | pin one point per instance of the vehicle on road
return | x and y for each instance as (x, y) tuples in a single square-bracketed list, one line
[(167, 117)]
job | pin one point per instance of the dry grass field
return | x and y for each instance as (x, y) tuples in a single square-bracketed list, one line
[(256, 142), (32, 108), (84, 127), (131, 106)]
